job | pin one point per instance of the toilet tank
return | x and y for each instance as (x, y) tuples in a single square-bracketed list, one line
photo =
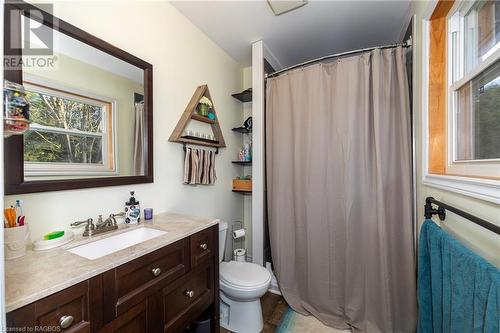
[(222, 239)]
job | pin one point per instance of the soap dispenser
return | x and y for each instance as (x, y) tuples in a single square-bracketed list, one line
[(132, 210)]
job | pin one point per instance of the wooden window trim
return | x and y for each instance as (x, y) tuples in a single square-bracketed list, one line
[(475, 187), (438, 88), (438, 95)]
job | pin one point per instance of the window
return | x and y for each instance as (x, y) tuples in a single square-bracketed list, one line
[(473, 110), (478, 118), (461, 89), (69, 131)]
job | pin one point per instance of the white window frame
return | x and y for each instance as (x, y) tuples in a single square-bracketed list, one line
[(478, 188), (479, 168), (39, 170)]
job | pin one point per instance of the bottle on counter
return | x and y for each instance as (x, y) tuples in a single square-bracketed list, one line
[(132, 210)]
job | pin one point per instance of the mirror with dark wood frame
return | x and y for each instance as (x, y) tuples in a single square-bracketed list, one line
[(90, 107)]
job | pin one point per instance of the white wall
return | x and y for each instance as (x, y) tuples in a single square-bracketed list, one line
[(183, 58), (482, 241)]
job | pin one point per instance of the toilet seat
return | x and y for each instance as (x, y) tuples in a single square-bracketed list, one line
[(243, 275)]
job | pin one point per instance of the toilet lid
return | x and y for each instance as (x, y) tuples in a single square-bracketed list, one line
[(243, 274)]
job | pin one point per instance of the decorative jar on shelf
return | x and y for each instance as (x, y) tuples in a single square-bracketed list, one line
[(202, 109), (204, 105)]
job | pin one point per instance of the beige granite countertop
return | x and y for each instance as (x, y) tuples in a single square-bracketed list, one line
[(42, 273)]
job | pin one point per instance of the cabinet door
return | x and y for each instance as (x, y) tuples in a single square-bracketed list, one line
[(185, 299), (204, 245), (135, 320), (131, 283)]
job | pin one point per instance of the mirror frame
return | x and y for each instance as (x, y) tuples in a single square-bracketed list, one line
[(13, 146)]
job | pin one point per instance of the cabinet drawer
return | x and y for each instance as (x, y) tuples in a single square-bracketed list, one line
[(203, 246), (47, 313), (134, 320), (188, 297), (132, 282), (169, 261)]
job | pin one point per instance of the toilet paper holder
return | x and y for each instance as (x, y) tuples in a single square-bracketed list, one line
[(238, 242)]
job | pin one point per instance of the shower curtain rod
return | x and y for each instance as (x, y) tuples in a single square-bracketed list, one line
[(336, 55)]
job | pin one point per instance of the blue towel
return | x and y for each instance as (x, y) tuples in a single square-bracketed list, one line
[(458, 291)]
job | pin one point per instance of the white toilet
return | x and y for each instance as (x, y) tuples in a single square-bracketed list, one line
[(242, 284)]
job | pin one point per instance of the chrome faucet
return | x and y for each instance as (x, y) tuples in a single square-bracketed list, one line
[(100, 226)]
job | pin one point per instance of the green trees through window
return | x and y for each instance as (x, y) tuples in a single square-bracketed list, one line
[(64, 130)]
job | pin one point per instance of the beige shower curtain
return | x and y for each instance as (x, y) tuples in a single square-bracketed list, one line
[(339, 191)]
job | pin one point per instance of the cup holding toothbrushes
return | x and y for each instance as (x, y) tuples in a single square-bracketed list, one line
[(16, 232), (15, 242)]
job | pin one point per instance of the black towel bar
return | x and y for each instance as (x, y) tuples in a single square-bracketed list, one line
[(441, 212)]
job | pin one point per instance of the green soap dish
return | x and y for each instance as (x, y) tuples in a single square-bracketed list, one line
[(53, 235)]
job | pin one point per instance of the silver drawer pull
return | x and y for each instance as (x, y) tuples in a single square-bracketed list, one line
[(156, 271), (189, 293), (66, 321), (204, 246)]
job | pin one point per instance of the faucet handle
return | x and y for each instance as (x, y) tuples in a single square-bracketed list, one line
[(89, 226), (120, 214), (112, 217), (77, 223)]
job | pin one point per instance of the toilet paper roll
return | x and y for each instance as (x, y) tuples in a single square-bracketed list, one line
[(239, 254), (238, 233)]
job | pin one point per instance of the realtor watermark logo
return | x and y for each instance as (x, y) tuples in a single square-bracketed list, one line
[(30, 36)]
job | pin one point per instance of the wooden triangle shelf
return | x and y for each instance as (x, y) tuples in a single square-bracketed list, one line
[(191, 114)]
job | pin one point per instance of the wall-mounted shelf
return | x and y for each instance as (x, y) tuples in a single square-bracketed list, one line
[(242, 130), (199, 141), (243, 191), (242, 162), (191, 114), (244, 96), (202, 119)]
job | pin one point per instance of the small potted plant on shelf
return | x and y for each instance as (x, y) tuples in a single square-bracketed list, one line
[(204, 105)]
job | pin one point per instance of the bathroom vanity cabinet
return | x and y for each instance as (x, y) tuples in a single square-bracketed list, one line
[(163, 291)]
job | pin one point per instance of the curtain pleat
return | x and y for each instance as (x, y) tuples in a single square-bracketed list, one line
[(139, 140)]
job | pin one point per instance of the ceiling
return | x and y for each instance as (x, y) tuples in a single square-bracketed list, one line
[(317, 29)]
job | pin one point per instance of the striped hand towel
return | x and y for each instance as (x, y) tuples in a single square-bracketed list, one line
[(199, 167)]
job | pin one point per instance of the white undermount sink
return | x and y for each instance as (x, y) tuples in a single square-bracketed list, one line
[(105, 246)]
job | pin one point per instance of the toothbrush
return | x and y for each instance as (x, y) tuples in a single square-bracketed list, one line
[(13, 216), (10, 216), (19, 213)]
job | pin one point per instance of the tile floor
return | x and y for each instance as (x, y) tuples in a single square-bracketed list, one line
[(274, 308)]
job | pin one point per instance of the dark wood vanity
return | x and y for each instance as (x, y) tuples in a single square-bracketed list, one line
[(163, 291)]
